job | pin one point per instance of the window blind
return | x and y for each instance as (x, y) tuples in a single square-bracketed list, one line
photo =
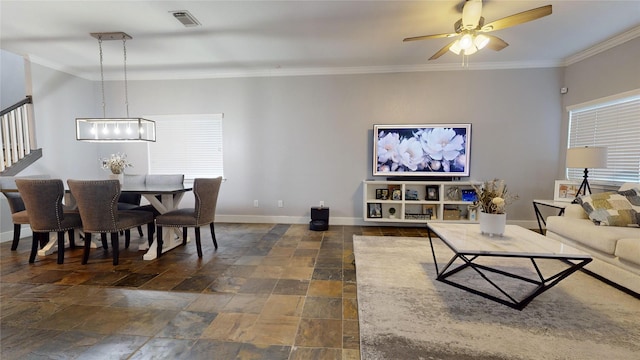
[(187, 144), (615, 124)]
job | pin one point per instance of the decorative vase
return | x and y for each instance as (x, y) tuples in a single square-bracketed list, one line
[(492, 224), (119, 177)]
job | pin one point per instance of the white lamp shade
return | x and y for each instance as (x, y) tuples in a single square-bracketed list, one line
[(587, 157)]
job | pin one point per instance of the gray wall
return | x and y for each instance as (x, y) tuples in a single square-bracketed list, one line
[(12, 86), (308, 138), (614, 71)]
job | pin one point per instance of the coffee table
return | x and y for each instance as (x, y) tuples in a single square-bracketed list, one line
[(470, 247)]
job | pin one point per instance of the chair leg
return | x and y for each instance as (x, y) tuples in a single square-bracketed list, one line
[(103, 237), (198, 243), (34, 247), (87, 248), (127, 238), (61, 247), (44, 240), (72, 239), (140, 231), (184, 236), (150, 230), (16, 236), (213, 236), (116, 247), (159, 242)]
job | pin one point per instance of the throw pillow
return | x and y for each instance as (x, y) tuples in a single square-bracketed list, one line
[(614, 208)]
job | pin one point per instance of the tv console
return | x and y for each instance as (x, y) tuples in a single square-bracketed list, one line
[(417, 201)]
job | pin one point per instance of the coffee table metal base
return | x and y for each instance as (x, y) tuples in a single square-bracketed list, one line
[(541, 283)]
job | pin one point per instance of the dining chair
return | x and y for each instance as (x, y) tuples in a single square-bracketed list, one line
[(160, 179), (98, 205), (19, 215), (43, 201), (205, 192)]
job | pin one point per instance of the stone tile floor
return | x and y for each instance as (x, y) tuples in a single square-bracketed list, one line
[(271, 291)]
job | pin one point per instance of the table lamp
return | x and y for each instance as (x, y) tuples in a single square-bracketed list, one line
[(586, 157)]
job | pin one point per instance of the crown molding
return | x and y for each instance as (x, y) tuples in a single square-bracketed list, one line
[(358, 70), (603, 46)]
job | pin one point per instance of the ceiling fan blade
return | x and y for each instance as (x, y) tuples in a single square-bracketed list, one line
[(519, 18), (441, 51), (495, 43), (424, 37), (471, 12)]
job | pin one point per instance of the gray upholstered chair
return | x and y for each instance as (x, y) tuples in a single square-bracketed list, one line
[(160, 179), (19, 215), (205, 192), (130, 201), (98, 205), (43, 201)]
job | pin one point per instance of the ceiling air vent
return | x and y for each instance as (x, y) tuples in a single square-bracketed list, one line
[(185, 18)]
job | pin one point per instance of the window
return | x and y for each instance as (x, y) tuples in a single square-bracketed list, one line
[(614, 123), (187, 144)]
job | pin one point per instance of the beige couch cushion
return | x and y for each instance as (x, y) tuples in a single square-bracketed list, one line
[(629, 249), (601, 238)]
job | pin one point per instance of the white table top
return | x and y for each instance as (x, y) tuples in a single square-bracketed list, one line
[(553, 203), (466, 238)]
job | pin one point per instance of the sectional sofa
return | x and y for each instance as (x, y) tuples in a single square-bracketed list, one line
[(615, 249)]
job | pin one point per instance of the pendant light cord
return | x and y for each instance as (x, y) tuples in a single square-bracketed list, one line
[(126, 87), (104, 103)]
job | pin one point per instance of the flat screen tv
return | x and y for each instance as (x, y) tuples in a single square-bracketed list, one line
[(425, 150)]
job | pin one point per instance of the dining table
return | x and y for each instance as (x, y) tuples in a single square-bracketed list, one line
[(162, 197)]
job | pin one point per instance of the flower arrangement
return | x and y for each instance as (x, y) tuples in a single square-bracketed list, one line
[(116, 163), (493, 197)]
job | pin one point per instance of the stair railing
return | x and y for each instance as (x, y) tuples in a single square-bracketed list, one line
[(16, 133)]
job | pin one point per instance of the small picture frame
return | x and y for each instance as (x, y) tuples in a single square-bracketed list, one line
[(566, 190), (432, 192), (374, 210), (382, 194), (396, 195), (430, 211)]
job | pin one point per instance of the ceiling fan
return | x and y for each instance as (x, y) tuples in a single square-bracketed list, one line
[(472, 30)]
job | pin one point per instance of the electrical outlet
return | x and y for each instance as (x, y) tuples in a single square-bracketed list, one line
[(255, 203), (280, 203), (321, 203)]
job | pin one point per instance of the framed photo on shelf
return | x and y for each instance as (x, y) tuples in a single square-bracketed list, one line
[(432, 192), (382, 194), (566, 190), (396, 195), (430, 211), (374, 210)]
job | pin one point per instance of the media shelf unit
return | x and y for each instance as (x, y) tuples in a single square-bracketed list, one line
[(408, 210)]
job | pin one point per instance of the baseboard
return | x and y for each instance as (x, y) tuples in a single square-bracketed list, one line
[(262, 219)]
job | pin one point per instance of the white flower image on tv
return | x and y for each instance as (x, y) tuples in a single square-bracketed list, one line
[(439, 149), (442, 143)]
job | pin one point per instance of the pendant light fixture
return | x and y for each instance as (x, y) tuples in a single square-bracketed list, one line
[(110, 129)]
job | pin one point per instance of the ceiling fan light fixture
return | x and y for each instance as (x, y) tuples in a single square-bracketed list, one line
[(471, 50), (481, 41), (466, 41), (455, 47)]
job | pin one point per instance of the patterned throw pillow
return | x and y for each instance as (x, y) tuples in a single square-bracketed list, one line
[(614, 208)]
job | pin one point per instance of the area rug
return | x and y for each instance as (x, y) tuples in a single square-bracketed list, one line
[(406, 314)]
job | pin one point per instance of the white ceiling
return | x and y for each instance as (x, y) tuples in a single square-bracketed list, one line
[(261, 38)]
